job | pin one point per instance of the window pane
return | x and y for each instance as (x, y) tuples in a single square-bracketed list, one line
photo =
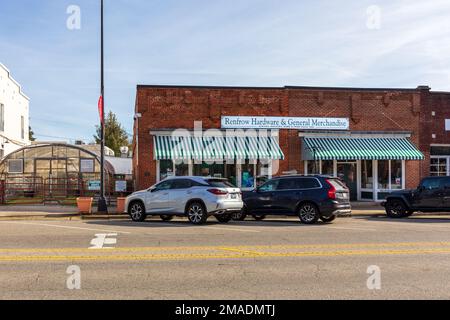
[(396, 174), (269, 186), (181, 184), (165, 169), (248, 175), (182, 170), (383, 175), (328, 167), (367, 174), (313, 167), (440, 151), (306, 184), (438, 167)]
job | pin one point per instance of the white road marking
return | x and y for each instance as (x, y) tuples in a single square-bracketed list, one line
[(63, 227), (232, 229), (103, 239)]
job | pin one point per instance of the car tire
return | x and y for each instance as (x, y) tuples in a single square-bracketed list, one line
[(137, 211), (308, 213), (409, 213), (196, 213), (166, 218), (259, 217), (224, 218), (241, 215), (396, 209), (328, 219)]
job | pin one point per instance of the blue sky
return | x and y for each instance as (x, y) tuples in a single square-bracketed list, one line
[(213, 42)]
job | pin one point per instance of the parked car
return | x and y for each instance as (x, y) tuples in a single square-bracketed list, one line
[(309, 197), (194, 197), (432, 195)]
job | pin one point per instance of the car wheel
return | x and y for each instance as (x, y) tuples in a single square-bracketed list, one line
[(308, 213), (328, 219), (224, 218), (137, 212), (396, 209), (409, 213), (259, 217), (241, 215), (166, 218), (197, 213)]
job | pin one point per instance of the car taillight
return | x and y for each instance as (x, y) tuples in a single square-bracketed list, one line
[(332, 191), (218, 192)]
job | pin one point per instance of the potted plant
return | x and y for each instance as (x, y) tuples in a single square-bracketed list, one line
[(85, 205)]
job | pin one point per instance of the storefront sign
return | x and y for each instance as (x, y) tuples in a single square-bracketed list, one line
[(94, 185), (121, 186), (285, 123)]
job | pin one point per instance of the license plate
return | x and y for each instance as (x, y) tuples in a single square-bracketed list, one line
[(234, 196)]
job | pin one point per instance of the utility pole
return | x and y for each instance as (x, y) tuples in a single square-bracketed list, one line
[(102, 206)]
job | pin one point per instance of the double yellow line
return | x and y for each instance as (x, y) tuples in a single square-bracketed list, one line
[(222, 252)]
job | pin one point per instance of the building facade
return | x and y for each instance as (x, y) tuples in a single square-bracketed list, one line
[(377, 140), (14, 114)]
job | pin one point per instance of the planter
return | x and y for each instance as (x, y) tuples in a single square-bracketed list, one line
[(85, 205), (121, 205)]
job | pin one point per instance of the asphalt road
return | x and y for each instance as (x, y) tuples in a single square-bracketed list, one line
[(273, 259)]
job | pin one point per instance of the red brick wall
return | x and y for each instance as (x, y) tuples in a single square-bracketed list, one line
[(369, 110), (439, 103)]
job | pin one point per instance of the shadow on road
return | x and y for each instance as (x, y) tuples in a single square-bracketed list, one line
[(181, 223), (420, 219)]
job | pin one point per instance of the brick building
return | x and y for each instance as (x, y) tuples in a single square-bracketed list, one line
[(377, 140)]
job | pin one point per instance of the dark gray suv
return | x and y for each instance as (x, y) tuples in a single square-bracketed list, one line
[(309, 197)]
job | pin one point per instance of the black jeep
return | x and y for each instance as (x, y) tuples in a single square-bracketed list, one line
[(433, 195)]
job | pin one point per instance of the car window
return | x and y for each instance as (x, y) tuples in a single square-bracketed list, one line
[(269, 186), (431, 184), (166, 185), (306, 183), (181, 184), (445, 183), (218, 183), (287, 184), (337, 184)]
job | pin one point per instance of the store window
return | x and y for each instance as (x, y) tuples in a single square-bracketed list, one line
[(248, 175), (165, 169), (396, 174), (328, 167), (383, 174), (182, 169), (216, 170), (367, 174), (313, 167)]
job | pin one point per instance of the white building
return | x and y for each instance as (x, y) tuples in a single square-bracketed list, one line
[(14, 114)]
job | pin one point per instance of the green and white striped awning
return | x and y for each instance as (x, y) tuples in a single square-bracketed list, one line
[(360, 149), (216, 148)]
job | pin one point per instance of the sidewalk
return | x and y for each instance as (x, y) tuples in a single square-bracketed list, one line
[(37, 211)]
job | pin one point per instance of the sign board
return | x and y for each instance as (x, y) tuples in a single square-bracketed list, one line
[(285, 123), (121, 186), (94, 185), (87, 166), (447, 125)]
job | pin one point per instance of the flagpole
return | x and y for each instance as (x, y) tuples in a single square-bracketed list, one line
[(102, 206)]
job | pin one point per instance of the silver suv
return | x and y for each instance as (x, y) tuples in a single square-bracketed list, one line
[(194, 197)]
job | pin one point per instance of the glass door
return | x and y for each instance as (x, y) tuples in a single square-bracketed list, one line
[(348, 171)]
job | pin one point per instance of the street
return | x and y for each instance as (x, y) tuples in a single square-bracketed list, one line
[(273, 259)]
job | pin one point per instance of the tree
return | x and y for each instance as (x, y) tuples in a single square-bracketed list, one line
[(115, 134), (31, 134)]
